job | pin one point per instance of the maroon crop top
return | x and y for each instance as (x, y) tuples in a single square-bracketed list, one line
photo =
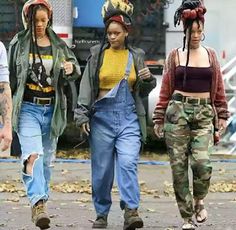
[(198, 79)]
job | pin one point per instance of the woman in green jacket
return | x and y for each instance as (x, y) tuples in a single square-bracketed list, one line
[(39, 63)]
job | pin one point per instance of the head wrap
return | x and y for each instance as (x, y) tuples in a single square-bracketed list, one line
[(119, 11), (29, 3), (190, 10)]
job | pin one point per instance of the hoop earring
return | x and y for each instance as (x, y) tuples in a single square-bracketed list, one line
[(203, 37)]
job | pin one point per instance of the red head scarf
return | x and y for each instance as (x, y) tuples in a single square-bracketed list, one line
[(122, 19)]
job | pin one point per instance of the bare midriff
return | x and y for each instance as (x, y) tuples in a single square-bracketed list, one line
[(197, 95), (103, 92)]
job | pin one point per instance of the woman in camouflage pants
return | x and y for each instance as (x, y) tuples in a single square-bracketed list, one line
[(191, 103)]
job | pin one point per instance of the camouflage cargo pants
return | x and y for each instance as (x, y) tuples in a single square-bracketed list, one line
[(188, 132)]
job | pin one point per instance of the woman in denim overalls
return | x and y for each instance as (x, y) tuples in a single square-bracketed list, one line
[(114, 126)]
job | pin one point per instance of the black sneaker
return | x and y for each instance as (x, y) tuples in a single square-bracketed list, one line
[(100, 222), (132, 219)]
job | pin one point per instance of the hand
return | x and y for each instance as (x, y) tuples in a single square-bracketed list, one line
[(222, 124), (5, 137), (158, 130), (86, 128), (68, 67), (144, 73)]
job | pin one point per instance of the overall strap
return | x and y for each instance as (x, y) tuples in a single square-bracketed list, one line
[(128, 66)]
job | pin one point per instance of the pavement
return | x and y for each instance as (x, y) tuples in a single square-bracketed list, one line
[(74, 210)]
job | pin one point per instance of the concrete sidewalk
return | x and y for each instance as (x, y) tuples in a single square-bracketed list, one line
[(75, 210)]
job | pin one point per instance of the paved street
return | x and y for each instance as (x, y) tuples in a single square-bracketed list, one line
[(75, 211)]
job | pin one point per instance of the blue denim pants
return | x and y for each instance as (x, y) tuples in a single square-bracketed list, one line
[(34, 136), (115, 142)]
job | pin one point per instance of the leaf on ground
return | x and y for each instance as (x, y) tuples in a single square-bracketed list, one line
[(64, 171), (73, 187), (74, 154), (151, 210), (53, 215), (222, 171), (10, 187), (144, 190), (13, 199), (72, 225), (223, 186), (83, 200), (168, 189), (63, 204)]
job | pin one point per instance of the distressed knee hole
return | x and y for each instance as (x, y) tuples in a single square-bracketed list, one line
[(29, 163)]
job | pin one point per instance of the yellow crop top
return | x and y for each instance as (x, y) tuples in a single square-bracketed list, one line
[(113, 69)]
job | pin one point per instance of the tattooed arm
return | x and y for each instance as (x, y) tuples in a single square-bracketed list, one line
[(5, 111)]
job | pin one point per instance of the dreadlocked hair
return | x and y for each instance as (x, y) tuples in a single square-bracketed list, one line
[(32, 28), (190, 11), (98, 62)]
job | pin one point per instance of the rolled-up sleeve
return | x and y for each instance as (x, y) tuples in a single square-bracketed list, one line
[(4, 72)]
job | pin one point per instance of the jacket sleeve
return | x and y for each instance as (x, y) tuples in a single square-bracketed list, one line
[(220, 102), (81, 113), (146, 86), (69, 56), (165, 93)]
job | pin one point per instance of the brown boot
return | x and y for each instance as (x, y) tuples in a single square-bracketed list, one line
[(39, 215), (132, 219)]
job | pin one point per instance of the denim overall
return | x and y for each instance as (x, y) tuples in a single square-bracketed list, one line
[(115, 141)]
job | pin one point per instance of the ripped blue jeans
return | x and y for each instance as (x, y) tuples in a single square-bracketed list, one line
[(34, 136)]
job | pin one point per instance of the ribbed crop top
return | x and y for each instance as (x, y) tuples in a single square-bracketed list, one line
[(198, 79), (113, 69)]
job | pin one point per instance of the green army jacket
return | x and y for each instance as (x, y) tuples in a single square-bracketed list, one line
[(18, 58), (89, 87)]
